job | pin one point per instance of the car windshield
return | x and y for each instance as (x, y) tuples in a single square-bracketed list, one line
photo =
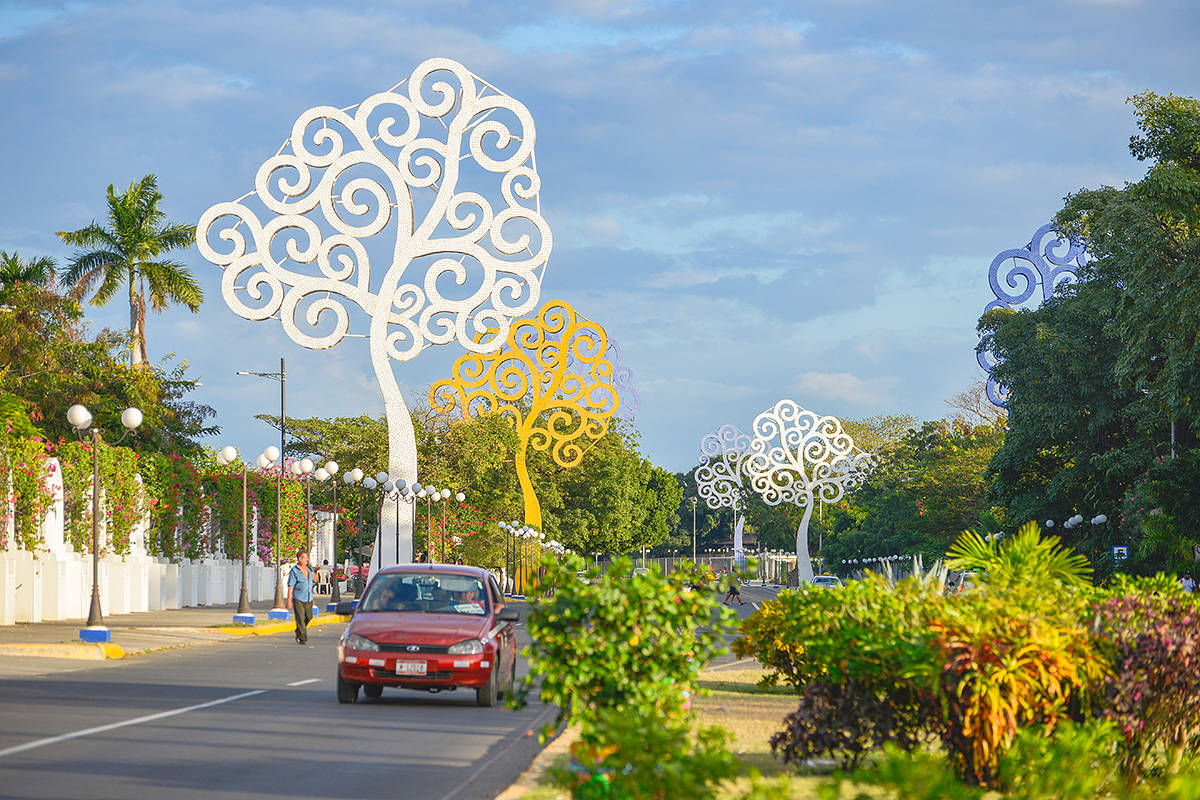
[(426, 593), (822, 580)]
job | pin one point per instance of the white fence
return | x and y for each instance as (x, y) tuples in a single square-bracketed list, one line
[(55, 583)]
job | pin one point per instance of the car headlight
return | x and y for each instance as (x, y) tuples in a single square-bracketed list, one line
[(469, 647), (356, 642)]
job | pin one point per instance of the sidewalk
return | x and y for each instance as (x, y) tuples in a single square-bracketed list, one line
[(142, 632)]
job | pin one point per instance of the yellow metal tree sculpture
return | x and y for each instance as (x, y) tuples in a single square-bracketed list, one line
[(550, 378)]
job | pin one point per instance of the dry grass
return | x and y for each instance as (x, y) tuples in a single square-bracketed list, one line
[(751, 715), (731, 699)]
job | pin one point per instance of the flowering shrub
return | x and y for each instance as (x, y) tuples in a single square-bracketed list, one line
[(1151, 640), (23, 486)]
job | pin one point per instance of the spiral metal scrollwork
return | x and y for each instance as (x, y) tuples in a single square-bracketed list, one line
[(551, 379), (723, 454), (1030, 273), (631, 400), (437, 179)]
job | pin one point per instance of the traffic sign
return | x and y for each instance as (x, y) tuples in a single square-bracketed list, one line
[(1196, 553), (1120, 552)]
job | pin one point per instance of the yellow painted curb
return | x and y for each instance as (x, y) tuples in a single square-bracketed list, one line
[(281, 627), (76, 650)]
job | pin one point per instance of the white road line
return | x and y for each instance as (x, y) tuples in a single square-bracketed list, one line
[(306, 680), (21, 748), (756, 605)]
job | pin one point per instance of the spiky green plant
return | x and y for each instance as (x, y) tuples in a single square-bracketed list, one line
[(1026, 556)]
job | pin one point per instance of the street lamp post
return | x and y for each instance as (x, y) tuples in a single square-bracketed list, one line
[(352, 477), (694, 501), (335, 597), (225, 456), (81, 419), (277, 610)]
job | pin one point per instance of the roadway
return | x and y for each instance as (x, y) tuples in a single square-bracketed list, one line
[(251, 718)]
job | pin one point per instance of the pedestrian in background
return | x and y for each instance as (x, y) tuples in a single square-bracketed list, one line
[(1187, 583), (300, 594)]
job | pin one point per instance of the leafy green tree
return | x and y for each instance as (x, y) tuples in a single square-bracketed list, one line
[(16, 272), (47, 363), (1102, 375), (1145, 242), (130, 251)]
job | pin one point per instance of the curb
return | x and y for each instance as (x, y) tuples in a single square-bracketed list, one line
[(530, 779), (76, 650), (280, 627)]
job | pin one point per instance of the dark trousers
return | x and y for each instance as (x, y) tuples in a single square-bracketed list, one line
[(302, 611)]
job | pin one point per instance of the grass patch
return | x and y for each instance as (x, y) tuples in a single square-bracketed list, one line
[(751, 715)]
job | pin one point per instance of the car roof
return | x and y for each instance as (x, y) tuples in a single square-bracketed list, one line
[(445, 569)]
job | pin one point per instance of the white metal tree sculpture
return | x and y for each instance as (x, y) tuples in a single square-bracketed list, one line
[(413, 216), (719, 477), (797, 456)]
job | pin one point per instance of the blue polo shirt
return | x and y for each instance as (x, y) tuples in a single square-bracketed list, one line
[(304, 586)]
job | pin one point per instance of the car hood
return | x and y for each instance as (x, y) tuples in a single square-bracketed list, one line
[(387, 627)]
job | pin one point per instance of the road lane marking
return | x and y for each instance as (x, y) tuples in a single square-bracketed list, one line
[(21, 748), (756, 605), (517, 739), (306, 680)]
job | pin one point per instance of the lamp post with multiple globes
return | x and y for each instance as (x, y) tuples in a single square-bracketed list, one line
[(81, 420), (225, 456)]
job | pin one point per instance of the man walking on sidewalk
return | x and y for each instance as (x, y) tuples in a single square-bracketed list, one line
[(300, 594)]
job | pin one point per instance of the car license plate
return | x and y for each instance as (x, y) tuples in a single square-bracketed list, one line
[(410, 667)]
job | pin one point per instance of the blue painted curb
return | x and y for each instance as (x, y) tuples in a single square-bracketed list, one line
[(279, 614), (246, 618), (95, 635)]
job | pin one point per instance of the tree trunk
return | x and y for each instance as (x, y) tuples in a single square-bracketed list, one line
[(137, 347), (803, 565), (533, 509), (394, 539)]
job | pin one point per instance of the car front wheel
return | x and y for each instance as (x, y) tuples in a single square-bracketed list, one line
[(346, 692), (486, 695)]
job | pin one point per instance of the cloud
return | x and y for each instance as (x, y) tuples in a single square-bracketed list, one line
[(177, 86), (844, 388)]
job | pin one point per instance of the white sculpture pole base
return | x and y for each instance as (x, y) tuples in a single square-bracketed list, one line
[(804, 571), (386, 553)]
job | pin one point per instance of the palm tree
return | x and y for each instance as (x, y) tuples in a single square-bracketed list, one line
[(37, 273), (130, 250)]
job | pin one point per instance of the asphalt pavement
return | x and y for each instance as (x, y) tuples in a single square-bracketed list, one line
[(250, 718)]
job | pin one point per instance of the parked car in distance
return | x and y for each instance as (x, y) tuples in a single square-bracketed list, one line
[(827, 581), (434, 627)]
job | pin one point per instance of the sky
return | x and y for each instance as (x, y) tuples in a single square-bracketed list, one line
[(757, 200)]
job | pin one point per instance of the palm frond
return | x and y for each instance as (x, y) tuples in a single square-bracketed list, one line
[(84, 268), (91, 235), (109, 286), (169, 280), (176, 236)]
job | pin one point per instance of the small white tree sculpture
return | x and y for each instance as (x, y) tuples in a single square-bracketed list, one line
[(797, 456), (719, 476), (437, 181)]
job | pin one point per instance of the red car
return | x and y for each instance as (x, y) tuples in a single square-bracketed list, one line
[(428, 626)]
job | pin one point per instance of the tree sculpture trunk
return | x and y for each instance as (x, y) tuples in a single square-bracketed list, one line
[(395, 527), (804, 570), (533, 509)]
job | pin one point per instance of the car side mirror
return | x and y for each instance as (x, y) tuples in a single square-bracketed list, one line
[(346, 608), (507, 615)]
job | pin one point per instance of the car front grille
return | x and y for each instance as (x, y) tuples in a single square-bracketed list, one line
[(421, 648)]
